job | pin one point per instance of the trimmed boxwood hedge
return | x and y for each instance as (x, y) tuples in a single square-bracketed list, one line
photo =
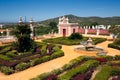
[(20, 61), (6, 70), (67, 41), (79, 70), (112, 45)]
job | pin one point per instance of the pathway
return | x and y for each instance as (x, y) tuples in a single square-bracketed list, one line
[(53, 64)]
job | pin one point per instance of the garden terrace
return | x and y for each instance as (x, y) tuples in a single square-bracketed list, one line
[(82, 68), (67, 41), (13, 61)]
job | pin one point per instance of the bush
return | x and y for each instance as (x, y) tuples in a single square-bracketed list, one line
[(12, 53), (75, 36), (57, 54), (79, 70), (112, 45), (43, 50), (35, 62), (3, 57), (6, 70), (104, 73), (4, 50), (44, 59), (98, 40), (22, 66)]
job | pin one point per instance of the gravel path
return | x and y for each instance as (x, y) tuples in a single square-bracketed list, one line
[(53, 64)]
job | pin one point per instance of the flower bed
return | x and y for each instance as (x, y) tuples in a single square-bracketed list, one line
[(12, 61), (82, 68)]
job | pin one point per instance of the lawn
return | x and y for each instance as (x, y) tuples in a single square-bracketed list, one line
[(67, 41)]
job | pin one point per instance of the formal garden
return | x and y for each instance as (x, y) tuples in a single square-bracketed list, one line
[(83, 68), (73, 39), (25, 53)]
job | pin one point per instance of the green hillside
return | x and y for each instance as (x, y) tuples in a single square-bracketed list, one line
[(87, 20)]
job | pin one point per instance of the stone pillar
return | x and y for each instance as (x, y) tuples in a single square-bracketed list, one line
[(86, 31), (20, 21), (32, 28), (98, 31), (7, 33)]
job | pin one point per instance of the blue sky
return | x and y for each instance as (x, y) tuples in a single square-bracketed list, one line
[(10, 10)]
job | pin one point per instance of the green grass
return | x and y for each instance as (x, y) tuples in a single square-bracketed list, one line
[(67, 41)]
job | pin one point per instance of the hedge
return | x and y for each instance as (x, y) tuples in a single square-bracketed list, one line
[(6, 70), (43, 50), (3, 57), (5, 49), (67, 41), (79, 70), (58, 71), (104, 73), (112, 45), (22, 66), (12, 53)]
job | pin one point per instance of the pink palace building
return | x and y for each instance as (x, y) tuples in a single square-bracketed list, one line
[(65, 28)]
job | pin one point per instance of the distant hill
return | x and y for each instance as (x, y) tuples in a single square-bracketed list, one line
[(87, 20)]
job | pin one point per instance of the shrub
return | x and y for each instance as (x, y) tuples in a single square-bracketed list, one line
[(3, 57), (112, 45), (43, 50), (4, 50), (117, 42), (6, 70), (22, 66), (12, 53), (57, 54), (117, 57), (98, 40), (79, 70), (104, 73), (75, 36), (35, 62), (44, 59)]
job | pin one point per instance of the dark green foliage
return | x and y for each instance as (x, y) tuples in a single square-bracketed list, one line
[(42, 30), (98, 40), (25, 43), (22, 66), (117, 42), (53, 26), (6, 70), (112, 45), (75, 36)]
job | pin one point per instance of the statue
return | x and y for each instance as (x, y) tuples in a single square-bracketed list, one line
[(89, 45)]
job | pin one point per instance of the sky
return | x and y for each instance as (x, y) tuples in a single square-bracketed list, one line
[(11, 10)]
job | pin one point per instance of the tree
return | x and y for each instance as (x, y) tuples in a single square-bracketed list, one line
[(115, 30), (75, 36), (53, 26), (24, 42)]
